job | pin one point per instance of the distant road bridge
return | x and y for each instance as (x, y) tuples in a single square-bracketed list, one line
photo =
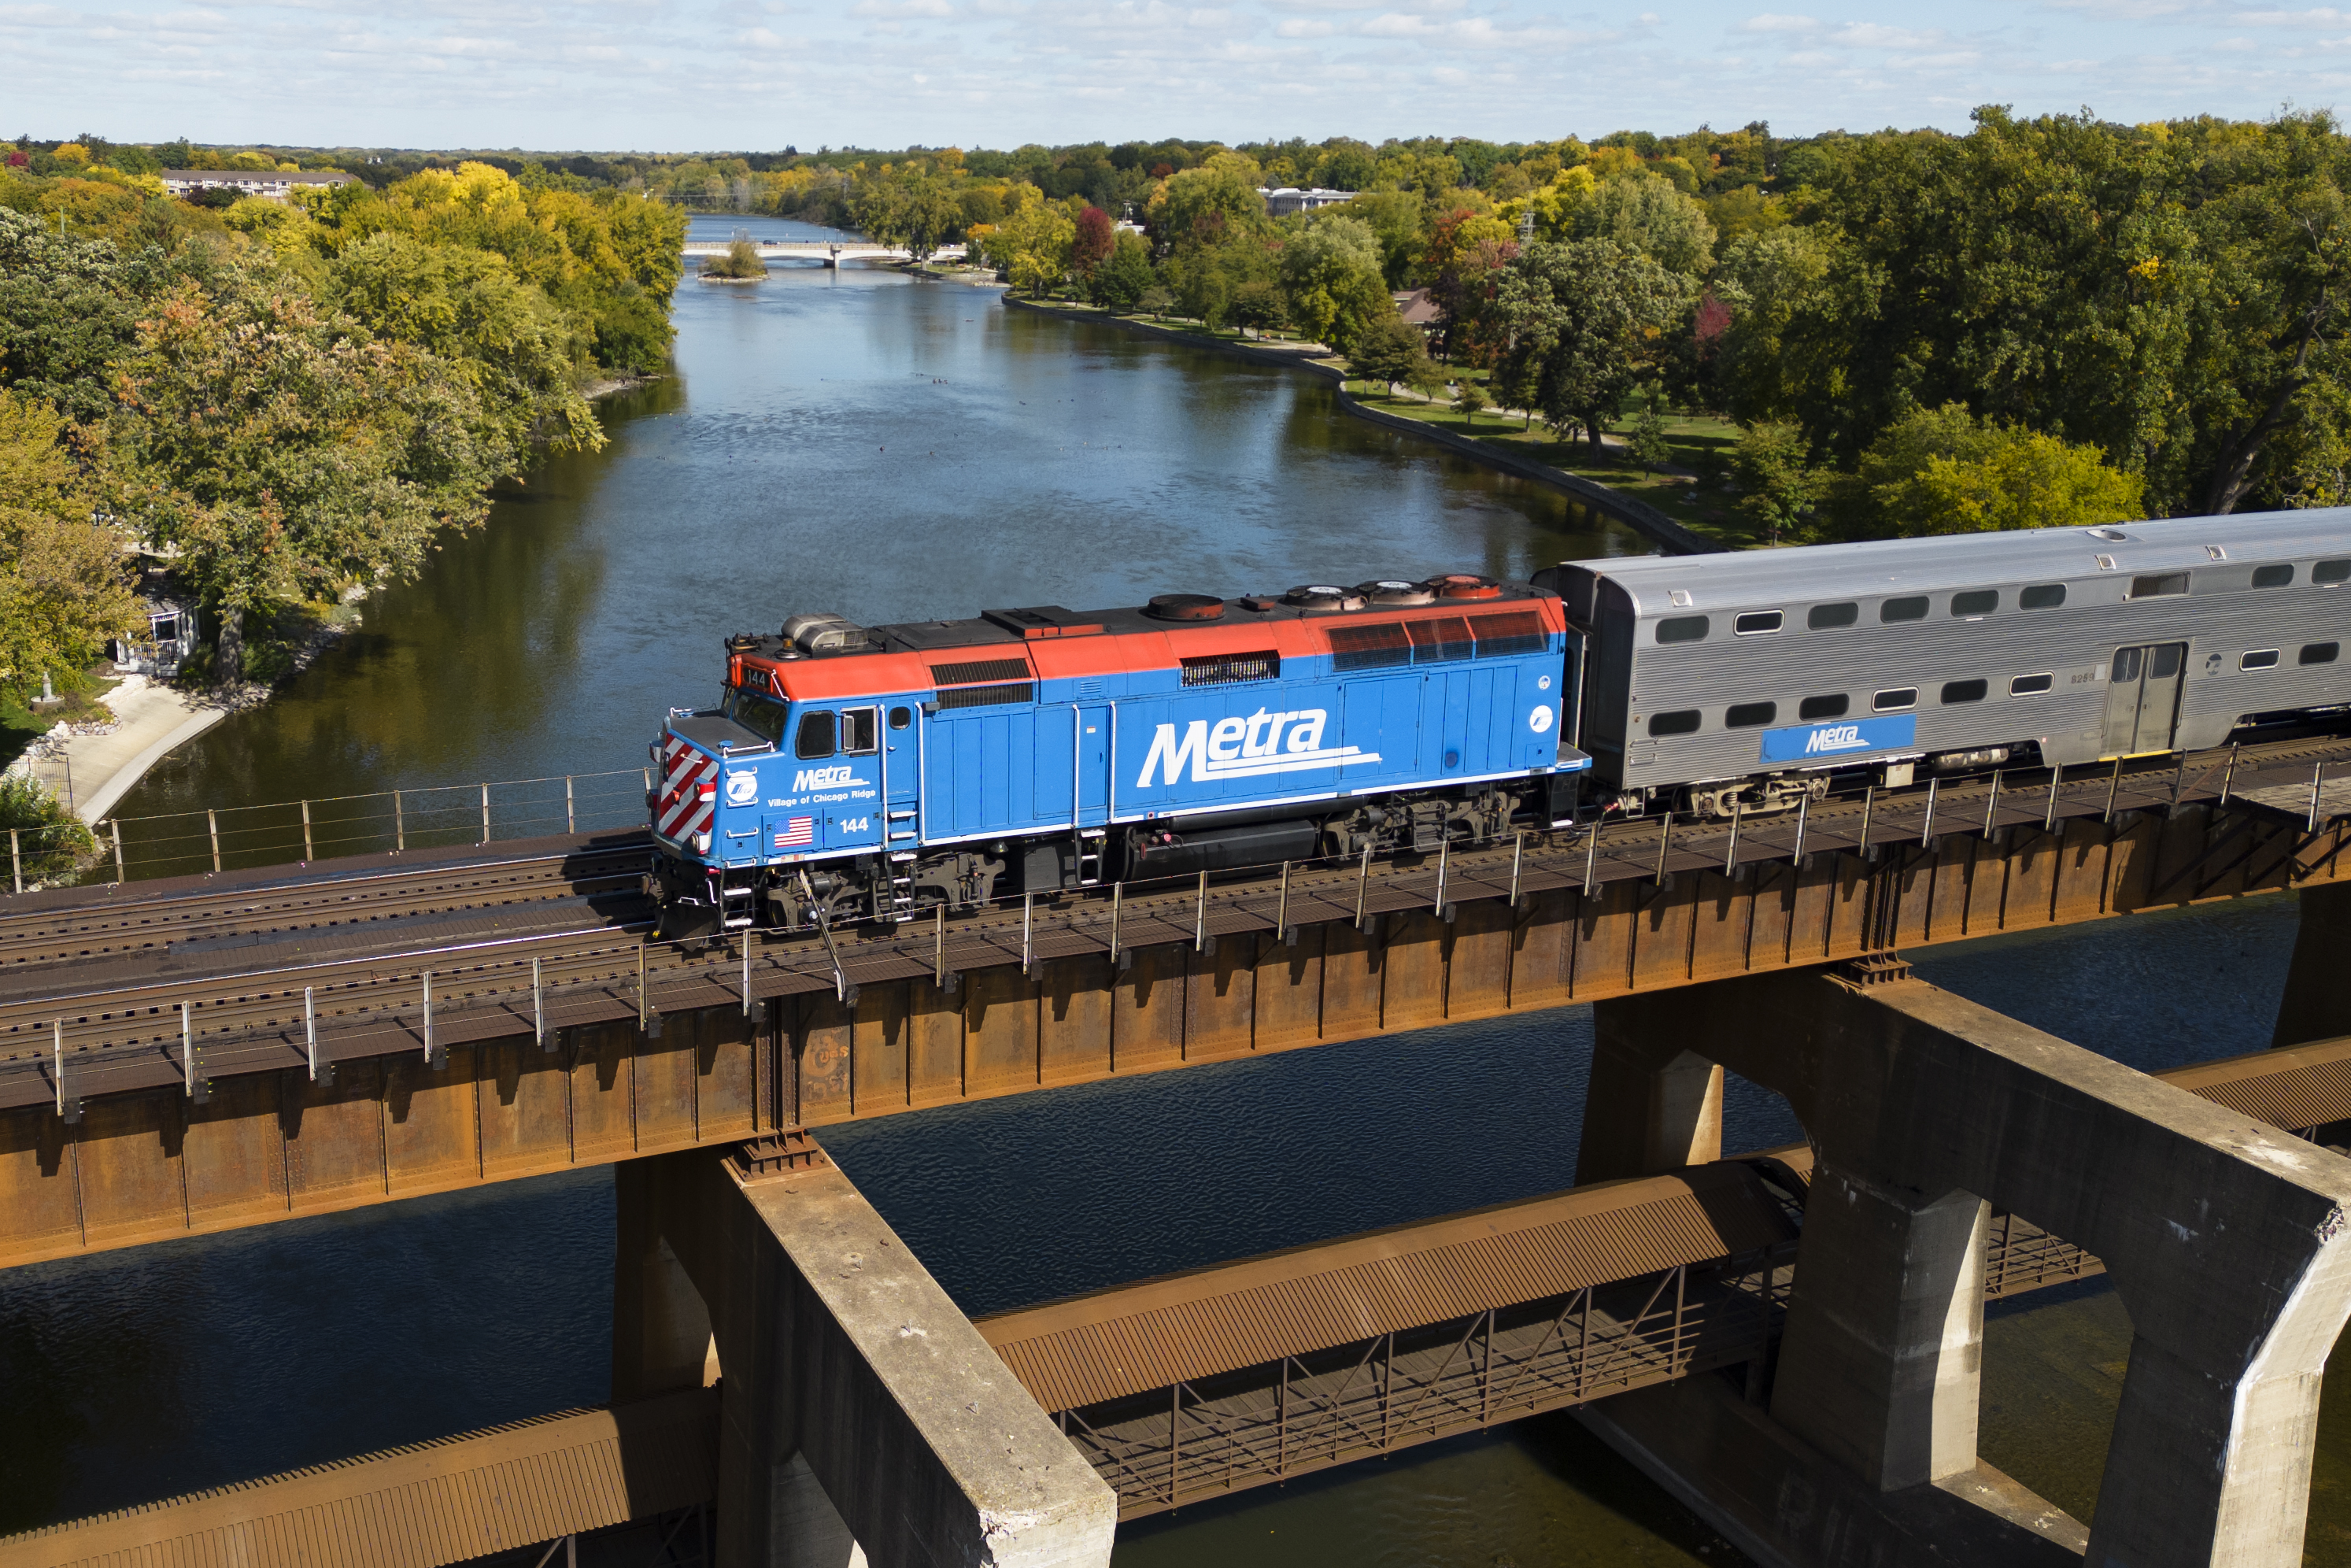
[(824, 252)]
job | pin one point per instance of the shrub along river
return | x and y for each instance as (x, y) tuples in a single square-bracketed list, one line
[(888, 449)]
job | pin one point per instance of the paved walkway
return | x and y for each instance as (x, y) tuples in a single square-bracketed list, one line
[(91, 772)]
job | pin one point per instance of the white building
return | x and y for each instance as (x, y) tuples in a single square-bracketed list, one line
[(274, 183), (1288, 199)]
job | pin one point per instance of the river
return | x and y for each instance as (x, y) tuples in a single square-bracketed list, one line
[(888, 449)]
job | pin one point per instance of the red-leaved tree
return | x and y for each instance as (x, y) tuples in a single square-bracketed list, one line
[(1097, 237)]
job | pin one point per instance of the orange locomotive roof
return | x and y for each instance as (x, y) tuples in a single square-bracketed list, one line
[(1067, 657)]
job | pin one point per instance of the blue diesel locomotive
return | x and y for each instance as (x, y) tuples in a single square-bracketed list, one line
[(853, 773)]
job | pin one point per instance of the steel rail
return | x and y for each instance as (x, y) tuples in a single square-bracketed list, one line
[(1089, 922), (118, 927)]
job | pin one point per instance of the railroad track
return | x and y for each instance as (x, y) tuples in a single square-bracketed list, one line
[(116, 928), (510, 948)]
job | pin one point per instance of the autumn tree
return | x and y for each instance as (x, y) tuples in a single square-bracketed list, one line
[(278, 453), (64, 585), (1095, 239)]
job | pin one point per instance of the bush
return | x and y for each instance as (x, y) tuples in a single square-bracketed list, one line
[(52, 841)]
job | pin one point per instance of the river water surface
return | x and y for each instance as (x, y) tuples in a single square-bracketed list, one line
[(892, 450)]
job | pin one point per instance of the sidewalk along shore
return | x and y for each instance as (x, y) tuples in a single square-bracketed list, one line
[(1317, 360), (91, 772)]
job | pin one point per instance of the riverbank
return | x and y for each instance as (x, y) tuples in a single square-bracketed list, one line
[(1495, 452), (91, 771)]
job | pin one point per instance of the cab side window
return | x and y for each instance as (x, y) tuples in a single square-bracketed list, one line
[(857, 731), (816, 736)]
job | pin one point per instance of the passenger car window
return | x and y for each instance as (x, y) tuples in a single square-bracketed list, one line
[(1747, 715), (1903, 609), (1681, 721), (2030, 686), (2272, 576), (1894, 699), (2331, 571), (1757, 621), (2042, 596), (857, 729), (2159, 585), (1964, 691), (2321, 652), (1824, 617), (1829, 706), (2260, 659), (816, 736), (1976, 602), (1682, 629)]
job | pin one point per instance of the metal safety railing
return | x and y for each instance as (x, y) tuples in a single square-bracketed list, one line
[(224, 837)]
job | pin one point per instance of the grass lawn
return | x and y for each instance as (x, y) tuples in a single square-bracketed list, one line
[(21, 725), (1691, 438)]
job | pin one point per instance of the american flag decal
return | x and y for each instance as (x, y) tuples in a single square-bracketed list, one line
[(797, 834)]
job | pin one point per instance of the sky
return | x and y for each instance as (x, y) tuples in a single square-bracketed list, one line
[(752, 75)]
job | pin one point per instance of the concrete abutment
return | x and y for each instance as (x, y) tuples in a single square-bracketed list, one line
[(863, 1417), (2225, 1238), (2316, 1004)]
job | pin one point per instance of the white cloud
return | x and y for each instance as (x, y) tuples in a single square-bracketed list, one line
[(687, 73)]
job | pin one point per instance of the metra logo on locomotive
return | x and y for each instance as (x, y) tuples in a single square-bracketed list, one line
[(1264, 743), (824, 778)]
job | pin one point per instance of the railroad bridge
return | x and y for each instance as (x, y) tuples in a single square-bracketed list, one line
[(1788, 1339)]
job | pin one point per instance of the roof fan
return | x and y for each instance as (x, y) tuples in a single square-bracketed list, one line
[(1322, 599), (1184, 607), (1394, 592), (1464, 585)]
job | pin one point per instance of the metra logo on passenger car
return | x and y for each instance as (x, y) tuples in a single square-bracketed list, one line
[(1264, 743), (1836, 737), (824, 778)]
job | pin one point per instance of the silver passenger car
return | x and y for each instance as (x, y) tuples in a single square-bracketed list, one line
[(1751, 676)]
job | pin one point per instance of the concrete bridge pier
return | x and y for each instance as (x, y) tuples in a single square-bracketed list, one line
[(2316, 1003), (2227, 1242), (864, 1419)]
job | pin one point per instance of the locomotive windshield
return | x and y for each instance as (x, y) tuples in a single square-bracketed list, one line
[(764, 715)]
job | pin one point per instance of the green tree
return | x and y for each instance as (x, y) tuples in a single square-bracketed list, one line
[(1472, 402), (2178, 296), (1389, 350), (1586, 320), (1776, 482), (64, 583), (1649, 440), (1121, 282), (1259, 304), (1647, 214), (520, 353), (1331, 276), (1158, 300), (1397, 221), (1942, 471), (279, 455)]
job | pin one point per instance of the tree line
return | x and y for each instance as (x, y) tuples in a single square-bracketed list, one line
[(2043, 321), (286, 400)]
